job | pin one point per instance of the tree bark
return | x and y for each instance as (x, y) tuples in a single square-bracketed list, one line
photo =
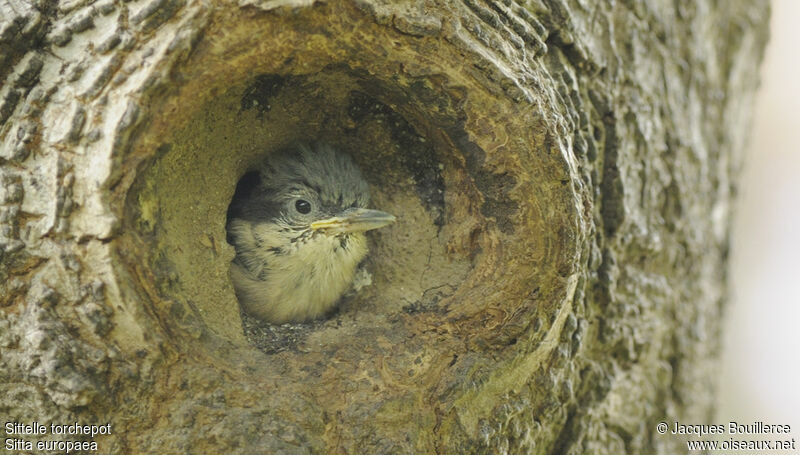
[(562, 173)]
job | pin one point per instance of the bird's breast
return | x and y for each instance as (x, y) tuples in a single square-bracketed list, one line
[(306, 279)]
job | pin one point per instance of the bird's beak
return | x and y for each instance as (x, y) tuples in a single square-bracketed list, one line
[(354, 220)]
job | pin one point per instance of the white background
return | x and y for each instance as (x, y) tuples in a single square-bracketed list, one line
[(760, 378)]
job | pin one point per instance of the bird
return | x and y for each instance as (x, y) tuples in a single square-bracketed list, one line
[(297, 224)]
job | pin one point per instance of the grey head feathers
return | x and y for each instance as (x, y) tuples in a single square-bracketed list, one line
[(329, 180), (330, 174)]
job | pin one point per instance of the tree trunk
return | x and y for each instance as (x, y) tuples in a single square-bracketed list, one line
[(562, 173)]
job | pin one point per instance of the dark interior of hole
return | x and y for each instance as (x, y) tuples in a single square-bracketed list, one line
[(244, 189), (402, 153), (395, 142), (261, 91), (417, 156), (494, 187)]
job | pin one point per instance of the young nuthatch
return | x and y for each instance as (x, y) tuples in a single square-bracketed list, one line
[(297, 224)]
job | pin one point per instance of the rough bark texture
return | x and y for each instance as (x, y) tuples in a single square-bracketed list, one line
[(562, 173)]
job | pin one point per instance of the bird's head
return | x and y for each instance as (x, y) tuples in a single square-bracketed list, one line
[(297, 224), (307, 191)]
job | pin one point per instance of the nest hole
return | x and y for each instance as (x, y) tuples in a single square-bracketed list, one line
[(182, 197)]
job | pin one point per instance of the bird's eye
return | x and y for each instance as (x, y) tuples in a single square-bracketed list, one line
[(302, 206)]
